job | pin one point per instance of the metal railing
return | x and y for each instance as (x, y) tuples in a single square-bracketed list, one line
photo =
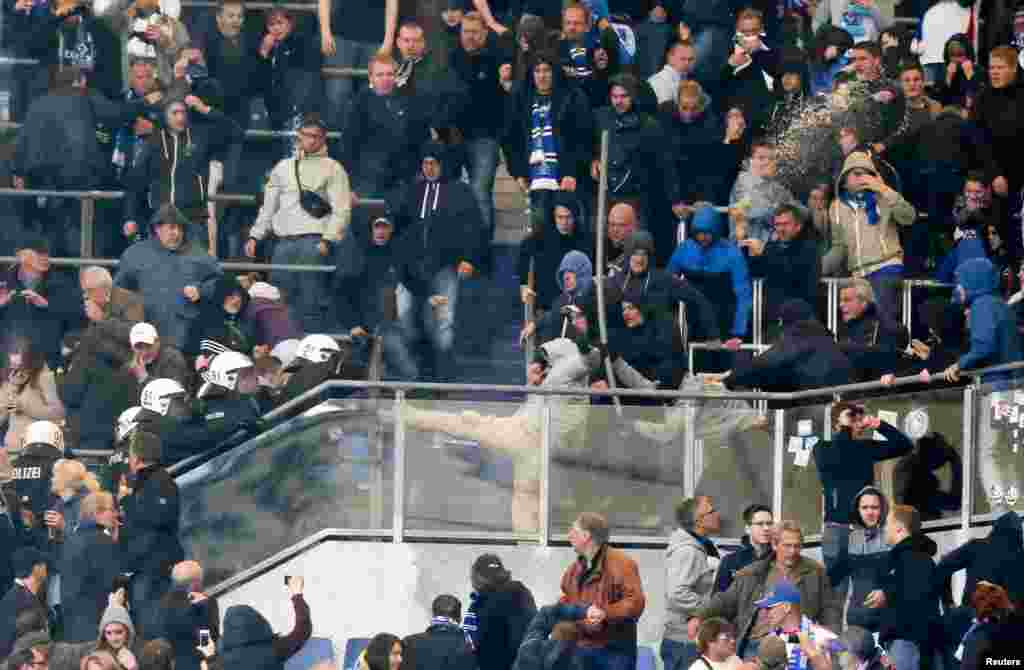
[(391, 411)]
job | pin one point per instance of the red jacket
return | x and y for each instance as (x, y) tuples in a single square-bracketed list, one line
[(614, 586)]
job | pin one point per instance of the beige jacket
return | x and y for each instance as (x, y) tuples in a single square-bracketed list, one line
[(33, 404), (858, 246), (281, 212)]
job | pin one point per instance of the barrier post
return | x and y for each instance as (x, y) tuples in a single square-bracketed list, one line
[(88, 219), (398, 513)]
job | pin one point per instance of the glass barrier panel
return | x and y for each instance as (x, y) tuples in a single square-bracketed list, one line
[(733, 458), (931, 477), (473, 466), (802, 500), (629, 467), (333, 467), (999, 449)]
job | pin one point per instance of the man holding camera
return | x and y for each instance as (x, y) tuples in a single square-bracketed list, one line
[(751, 64), (306, 207)]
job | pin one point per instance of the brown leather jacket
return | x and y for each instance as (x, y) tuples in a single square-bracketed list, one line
[(612, 583)]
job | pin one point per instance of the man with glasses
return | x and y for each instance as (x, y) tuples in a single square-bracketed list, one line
[(752, 618), (690, 565), (757, 545), (306, 206), (607, 582), (716, 641)]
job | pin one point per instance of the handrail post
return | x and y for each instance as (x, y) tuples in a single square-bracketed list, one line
[(758, 311), (908, 309), (88, 220), (779, 464), (969, 453), (544, 513), (398, 513), (690, 456)]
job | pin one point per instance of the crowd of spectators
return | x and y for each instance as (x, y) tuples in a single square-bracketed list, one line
[(782, 141)]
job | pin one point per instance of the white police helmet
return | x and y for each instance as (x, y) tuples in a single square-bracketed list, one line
[(223, 369), (44, 432), (126, 422), (317, 348), (157, 395)]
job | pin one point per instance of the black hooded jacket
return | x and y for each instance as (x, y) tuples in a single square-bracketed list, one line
[(538, 651), (637, 162), (648, 346), (547, 247), (955, 92), (661, 290), (216, 330), (570, 124), (789, 269), (997, 558), (441, 226), (248, 642), (703, 166), (149, 540), (503, 615)]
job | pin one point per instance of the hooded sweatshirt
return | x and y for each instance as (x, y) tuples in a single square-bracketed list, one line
[(547, 247), (864, 561), (865, 226), (994, 339), (955, 92), (690, 566), (552, 323), (248, 643), (217, 330), (719, 271)]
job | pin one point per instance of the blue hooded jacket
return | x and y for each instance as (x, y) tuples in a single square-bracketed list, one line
[(550, 325), (992, 325), (707, 268)]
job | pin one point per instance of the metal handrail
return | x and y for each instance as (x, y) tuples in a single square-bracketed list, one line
[(250, 199), (51, 193)]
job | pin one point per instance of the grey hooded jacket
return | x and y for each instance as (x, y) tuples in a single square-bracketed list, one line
[(689, 581)]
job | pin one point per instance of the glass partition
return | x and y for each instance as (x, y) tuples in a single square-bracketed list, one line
[(999, 456), (629, 467), (331, 468), (473, 466), (803, 428), (733, 458)]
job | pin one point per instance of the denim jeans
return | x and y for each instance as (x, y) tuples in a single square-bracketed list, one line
[(400, 364), (482, 166), (605, 659), (678, 655), (303, 292), (888, 288), (338, 90), (438, 323), (905, 655), (835, 540)]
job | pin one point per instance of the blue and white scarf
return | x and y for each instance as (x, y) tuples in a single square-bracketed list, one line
[(543, 147)]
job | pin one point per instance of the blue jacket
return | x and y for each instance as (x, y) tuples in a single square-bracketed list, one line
[(550, 325), (704, 265), (965, 250), (160, 275), (149, 541), (88, 567), (994, 338)]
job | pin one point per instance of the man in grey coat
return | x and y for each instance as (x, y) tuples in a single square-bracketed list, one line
[(691, 562), (170, 274)]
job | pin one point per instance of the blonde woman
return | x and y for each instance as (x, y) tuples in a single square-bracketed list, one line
[(71, 482), (28, 394)]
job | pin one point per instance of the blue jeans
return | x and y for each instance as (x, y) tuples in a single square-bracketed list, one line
[(887, 284), (906, 655), (482, 166), (835, 539), (438, 322), (678, 655), (338, 90), (303, 292), (399, 362), (605, 659)]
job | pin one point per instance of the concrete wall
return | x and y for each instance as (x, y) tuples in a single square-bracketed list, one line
[(358, 589)]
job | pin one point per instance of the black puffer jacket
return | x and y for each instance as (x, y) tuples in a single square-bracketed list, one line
[(503, 615), (912, 604)]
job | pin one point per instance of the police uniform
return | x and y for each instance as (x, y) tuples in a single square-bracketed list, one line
[(33, 471)]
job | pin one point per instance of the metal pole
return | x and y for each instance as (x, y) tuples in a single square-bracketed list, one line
[(778, 467), (602, 316), (398, 513), (544, 516), (690, 456), (908, 309), (528, 315), (969, 448), (88, 220), (758, 311)]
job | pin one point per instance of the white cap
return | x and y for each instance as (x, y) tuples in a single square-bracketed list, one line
[(262, 289), (143, 332)]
